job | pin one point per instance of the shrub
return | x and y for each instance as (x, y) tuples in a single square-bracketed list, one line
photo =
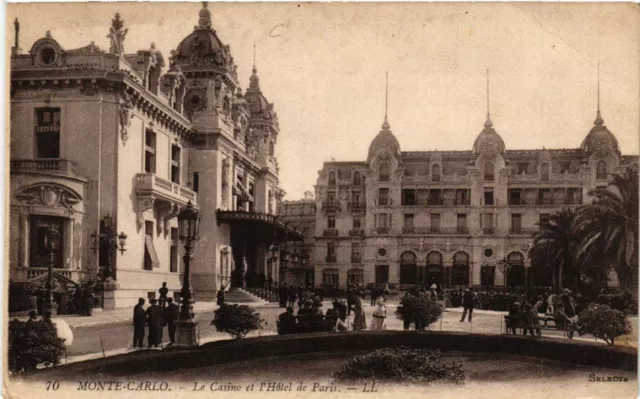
[(603, 322), (236, 320), (401, 365), (418, 309), (33, 343)]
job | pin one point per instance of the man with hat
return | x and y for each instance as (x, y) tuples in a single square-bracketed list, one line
[(155, 323), (139, 322), (170, 317), (467, 304)]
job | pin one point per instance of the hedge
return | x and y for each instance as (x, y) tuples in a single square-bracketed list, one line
[(220, 352)]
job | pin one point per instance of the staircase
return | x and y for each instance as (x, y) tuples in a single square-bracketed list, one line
[(238, 295), (259, 292)]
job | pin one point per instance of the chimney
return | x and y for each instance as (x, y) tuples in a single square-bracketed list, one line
[(16, 48)]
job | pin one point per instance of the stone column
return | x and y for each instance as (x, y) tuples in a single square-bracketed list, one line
[(24, 241)]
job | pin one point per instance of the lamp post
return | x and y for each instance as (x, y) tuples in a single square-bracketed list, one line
[(52, 237), (504, 267), (188, 226)]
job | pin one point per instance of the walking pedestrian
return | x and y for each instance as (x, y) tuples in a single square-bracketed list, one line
[(359, 320), (170, 317), (155, 323), (139, 322), (467, 303), (379, 316)]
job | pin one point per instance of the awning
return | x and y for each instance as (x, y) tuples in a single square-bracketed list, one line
[(151, 250), (242, 193)]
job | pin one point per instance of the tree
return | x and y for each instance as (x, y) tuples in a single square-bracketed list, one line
[(418, 309), (554, 247), (236, 320), (603, 322), (32, 343), (608, 227)]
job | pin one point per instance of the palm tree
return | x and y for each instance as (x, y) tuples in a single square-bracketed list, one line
[(554, 247), (608, 227)]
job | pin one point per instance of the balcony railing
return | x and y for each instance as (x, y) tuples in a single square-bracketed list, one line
[(523, 231), (150, 184), (488, 230), (427, 202), (38, 271), (382, 230), (384, 201), (61, 166), (330, 258), (356, 233), (356, 258), (356, 206), (435, 230), (330, 233), (331, 206), (462, 230)]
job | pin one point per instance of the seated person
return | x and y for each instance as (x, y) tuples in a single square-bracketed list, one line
[(564, 322), (287, 322)]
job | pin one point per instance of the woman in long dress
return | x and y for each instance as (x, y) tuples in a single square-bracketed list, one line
[(379, 316), (359, 320)]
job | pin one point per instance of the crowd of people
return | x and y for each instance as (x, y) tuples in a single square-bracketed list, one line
[(162, 313)]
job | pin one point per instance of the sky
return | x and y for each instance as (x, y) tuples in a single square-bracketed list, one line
[(323, 66)]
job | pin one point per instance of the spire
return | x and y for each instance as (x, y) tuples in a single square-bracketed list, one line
[(254, 58), (204, 20), (599, 121), (488, 122), (385, 124), (254, 81)]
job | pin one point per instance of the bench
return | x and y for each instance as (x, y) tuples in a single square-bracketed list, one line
[(512, 322), (309, 324)]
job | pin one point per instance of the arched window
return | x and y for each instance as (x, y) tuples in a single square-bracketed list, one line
[(384, 172), (332, 178), (516, 273), (435, 173), (544, 171), (408, 268), (357, 179), (434, 258), (601, 170), (460, 269), (489, 171), (355, 276), (331, 277)]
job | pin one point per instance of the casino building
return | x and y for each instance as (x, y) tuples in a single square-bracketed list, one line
[(110, 142), (450, 218)]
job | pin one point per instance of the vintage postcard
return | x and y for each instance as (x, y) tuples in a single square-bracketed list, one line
[(322, 199)]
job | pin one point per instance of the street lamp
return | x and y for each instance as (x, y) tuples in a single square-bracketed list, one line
[(188, 229), (52, 240), (113, 241), (504, 267)]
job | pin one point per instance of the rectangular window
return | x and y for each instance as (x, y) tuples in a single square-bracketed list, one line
[(462, 197), (544, 196), (488, 196), (383, 196), (382, 220), (331, 250), (516, 223), (408, 220), (175, 163), (196, 181), (357, 222), (408, 197), (544, 218), (487, 221), (461, 223), (355, 197), (435, 197), (435, 223), (515, 195), (150, 256), (173, 256), (573, 196), (522, 167), (355, 249), (47, 131), (331, 222), (331, 195), (487, 276), (565, 166), (150, 151), (40, 255)]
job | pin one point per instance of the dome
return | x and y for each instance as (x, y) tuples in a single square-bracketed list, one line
[(599, 138), (203, 47), (488, 140), (384, 139)]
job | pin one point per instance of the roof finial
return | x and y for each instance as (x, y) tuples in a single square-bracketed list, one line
[(204, 21), (488, 122), (385, 124), (599, 121), (254, 58)]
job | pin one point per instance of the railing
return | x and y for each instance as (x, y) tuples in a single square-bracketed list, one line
[(462, 230), (356, 259), (331, 206), (522, 231), (330, 233), (330, 259), (382, 230), (22, 303), (149, 182), (356, 233), (356, 206), (428, 202), (488, 230), (384, 201), (435, 230), (38, 271), (61, 166)]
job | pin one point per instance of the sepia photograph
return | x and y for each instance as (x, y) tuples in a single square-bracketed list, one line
[(219, 199)]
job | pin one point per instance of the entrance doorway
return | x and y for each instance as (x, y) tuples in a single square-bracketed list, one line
[(382, 274)]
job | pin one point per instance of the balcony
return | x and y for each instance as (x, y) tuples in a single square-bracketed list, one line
[(48, 165), (331, 206), (356, 206), (34, 272), (356, 233), (330, 233), (462, 230), (150, 185), (488, 230), (382, 230), (356, 259), (330, 258), (408, 230), (384, 201), (522, 231)]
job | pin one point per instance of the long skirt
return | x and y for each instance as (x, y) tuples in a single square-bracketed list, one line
[(359, 321), (377, 323)]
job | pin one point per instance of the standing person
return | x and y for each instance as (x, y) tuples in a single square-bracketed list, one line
[(282, 295), (467, 304), (359, 320), (551, 299), (163, 291), (350, 299), (155, 323), (139, 322), (170, 317), (88, 299), (220, 298), (568, 303), (374, 294), (292, 295), (434, 293), (300, 291), (379, 316)]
